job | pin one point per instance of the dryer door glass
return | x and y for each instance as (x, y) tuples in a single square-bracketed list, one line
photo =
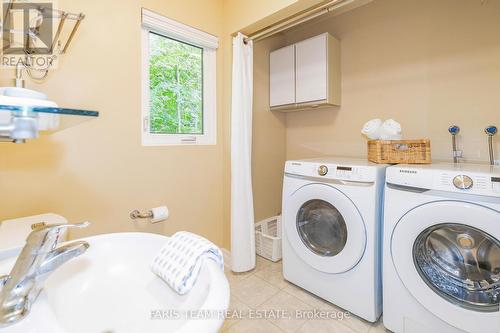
[(461, 264), (321, 228)]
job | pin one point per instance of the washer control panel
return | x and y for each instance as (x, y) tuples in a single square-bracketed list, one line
[(467, 182), (470, 179), (463, 182), (495, 184)]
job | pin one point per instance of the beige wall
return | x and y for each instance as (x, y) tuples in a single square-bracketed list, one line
[(98, 170), (239, 14), (427, 64), (248, 17), (269, 137)]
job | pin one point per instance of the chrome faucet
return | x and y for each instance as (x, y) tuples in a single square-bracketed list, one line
[(39, 257)]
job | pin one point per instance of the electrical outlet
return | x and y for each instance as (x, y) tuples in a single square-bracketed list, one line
[(496, 162)]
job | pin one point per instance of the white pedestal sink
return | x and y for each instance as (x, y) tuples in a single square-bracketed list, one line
[(111, 289)]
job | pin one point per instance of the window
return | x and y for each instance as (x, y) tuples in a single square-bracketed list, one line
[(178, 83)]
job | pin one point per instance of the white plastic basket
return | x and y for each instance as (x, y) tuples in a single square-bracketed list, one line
[(268, 238)]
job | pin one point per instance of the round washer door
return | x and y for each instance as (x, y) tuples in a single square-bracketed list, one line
[(325, 228), (447, 254)]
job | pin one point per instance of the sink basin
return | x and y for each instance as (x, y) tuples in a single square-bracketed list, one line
[(111, 289)]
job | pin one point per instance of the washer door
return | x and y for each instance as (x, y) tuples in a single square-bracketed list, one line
[(325, 228), (447, 254)]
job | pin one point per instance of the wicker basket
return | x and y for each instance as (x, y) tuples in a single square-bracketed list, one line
[(400, 151)]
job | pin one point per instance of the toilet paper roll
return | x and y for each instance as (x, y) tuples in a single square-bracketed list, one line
[(159, 214), (372, 129), (390, 130)]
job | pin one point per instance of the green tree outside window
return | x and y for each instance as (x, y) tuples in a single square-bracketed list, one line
[(176, 86)]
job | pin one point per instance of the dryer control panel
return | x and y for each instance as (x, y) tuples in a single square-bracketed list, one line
[(335, 171), (349, 173)]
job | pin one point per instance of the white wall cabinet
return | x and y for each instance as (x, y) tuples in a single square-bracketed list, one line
[(306, 74), (282, 81), (311, 69)]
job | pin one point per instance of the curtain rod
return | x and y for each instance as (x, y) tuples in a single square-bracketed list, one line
[(297, 19)]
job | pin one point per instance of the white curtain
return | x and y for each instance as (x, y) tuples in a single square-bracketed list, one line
[(242, 218)]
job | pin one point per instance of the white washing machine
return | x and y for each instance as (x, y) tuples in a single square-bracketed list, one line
[(331, 231), (442, 249)]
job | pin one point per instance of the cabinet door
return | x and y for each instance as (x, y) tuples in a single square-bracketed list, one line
[(282, 76), (311, 69)]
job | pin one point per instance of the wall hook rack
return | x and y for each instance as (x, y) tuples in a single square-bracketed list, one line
[(39, 40)]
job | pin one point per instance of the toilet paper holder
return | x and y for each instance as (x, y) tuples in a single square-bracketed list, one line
[(154, 215), (136, 214)]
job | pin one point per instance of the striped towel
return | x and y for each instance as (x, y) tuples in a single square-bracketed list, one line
[(180, 259)]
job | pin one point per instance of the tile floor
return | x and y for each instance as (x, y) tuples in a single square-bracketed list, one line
[(264, 290)]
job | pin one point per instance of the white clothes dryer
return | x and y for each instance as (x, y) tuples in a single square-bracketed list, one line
[(331, 231)]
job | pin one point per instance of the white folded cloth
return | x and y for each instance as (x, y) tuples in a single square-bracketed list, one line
[(390, 130), (372, 129), (180, 259)]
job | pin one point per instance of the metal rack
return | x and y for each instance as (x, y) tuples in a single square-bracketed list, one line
[(60, 41)]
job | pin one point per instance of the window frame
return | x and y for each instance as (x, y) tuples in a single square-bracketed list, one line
[(163, 26)]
